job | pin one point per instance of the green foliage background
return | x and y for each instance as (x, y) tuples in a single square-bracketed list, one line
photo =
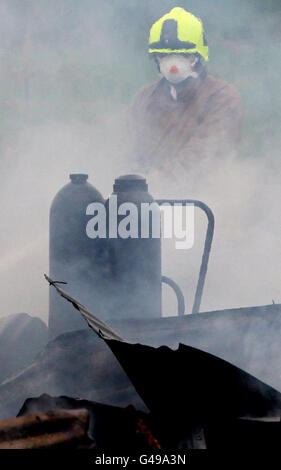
[(69, 60)]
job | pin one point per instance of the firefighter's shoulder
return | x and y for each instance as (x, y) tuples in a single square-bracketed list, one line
[(221, 92), (144, 94)]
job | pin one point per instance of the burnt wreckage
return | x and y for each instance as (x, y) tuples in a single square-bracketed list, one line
[(192, 376)]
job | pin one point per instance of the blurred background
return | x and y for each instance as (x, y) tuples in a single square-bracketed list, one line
[(68, 70)]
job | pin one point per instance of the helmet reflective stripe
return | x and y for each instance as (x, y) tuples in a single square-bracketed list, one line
[(178, 32), (169, 37)]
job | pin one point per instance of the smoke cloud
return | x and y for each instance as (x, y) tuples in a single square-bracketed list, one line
[(68, 71)]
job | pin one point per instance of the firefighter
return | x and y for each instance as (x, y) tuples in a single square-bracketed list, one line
[(187, 116)]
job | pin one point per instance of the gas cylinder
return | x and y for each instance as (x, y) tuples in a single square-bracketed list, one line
[(135, 260), (74, 257)]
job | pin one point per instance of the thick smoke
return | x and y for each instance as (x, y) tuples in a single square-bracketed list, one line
[(68, 71)]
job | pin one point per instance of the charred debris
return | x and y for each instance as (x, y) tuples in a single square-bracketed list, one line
[(145, 382)]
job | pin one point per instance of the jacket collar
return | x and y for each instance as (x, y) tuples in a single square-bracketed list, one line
[(186, 90)]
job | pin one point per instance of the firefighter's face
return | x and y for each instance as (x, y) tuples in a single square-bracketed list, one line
[(177, 67)]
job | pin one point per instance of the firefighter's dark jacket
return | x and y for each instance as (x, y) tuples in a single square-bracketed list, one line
[(203, 123)]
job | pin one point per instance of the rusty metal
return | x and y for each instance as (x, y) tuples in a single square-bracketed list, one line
[(146, 432), (53, 429)]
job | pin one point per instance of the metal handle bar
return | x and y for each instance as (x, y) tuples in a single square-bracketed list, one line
[(207, 245), (178, 292)]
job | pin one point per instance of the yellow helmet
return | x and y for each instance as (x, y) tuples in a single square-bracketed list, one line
[(178, 32)]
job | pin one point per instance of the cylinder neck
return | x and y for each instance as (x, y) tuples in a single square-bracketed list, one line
[(78, 178), (130, 183)]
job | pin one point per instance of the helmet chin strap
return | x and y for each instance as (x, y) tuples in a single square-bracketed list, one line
[(173, 92), (176, 87)]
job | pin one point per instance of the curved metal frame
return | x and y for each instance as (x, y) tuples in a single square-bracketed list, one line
[(207, 245), (180, 297)]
